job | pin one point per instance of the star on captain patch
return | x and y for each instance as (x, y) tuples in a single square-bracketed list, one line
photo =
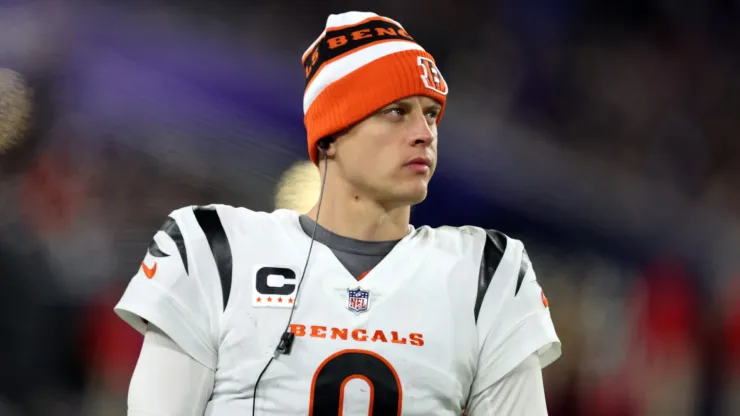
[(358, 300)]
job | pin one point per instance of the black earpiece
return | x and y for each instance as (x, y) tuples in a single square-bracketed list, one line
[(324, 143), (285, 344)]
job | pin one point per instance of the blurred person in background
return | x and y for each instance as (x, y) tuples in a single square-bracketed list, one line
[(730, 349), (664, 364), (431, 321), (42, 372)]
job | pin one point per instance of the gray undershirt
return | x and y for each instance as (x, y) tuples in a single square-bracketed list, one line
[(357, 256)]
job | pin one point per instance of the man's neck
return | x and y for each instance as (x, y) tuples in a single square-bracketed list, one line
[(361, 218)]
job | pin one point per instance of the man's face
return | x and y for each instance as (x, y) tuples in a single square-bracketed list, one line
[(391, 155)]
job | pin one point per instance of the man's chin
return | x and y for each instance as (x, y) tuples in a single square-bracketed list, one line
[(416, 195), (405, 193)]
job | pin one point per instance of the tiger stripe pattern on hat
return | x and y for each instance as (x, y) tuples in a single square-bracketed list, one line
[(360, 63)]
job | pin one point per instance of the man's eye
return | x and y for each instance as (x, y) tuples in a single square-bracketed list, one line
[(397, 111)]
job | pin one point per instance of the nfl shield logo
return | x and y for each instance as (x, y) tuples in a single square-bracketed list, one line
[(358, 300)]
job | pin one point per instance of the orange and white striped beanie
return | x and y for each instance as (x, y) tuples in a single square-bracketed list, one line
[(361, 63)]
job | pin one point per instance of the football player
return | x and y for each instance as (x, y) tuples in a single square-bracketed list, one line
[(347, 309)]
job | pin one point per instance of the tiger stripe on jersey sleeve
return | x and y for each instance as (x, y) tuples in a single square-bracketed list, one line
[(523, 268), (171, 228), (514, 321), (493, 252), (210, 223)]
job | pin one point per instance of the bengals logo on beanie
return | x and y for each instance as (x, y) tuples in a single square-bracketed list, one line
[(360, 63)]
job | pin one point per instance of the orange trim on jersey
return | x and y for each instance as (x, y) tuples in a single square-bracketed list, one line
[(354, 376), (362, 276)]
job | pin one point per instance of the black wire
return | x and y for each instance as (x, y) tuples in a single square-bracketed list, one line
[(298, 289)]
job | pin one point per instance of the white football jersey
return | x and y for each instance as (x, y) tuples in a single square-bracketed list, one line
[(447, 313)]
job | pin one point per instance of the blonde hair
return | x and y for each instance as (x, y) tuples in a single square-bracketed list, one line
[(298, 188)]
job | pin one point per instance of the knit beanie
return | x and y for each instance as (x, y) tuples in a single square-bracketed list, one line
[(361, 63)]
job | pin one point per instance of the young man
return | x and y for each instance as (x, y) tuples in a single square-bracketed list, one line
[(387, 319)]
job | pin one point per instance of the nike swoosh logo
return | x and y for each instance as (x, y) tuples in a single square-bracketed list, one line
[(147, 271)]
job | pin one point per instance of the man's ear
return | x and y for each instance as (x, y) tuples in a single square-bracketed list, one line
[(331, 141), (326, 146), (331, 151)]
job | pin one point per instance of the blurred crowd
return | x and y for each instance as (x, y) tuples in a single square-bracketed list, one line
[(603, 135)]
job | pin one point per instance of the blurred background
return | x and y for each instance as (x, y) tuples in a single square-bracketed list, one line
[(605, 135)]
